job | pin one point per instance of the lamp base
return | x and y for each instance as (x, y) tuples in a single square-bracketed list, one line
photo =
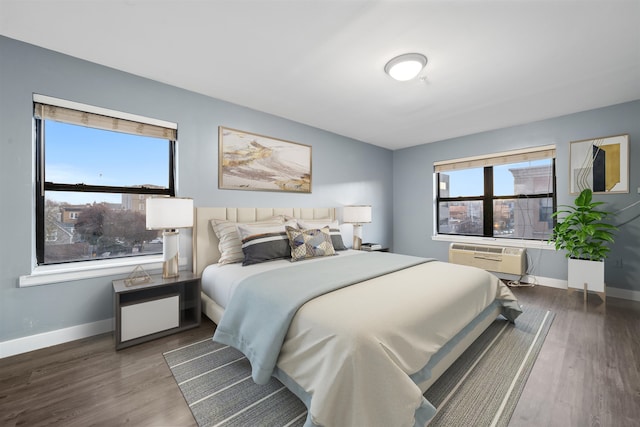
[(357, 236), (170, 265), (170, 268)]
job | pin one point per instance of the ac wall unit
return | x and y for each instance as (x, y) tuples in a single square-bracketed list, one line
[(499, 259)]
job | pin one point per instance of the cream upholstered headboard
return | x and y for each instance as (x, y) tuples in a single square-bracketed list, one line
[(205, 241)]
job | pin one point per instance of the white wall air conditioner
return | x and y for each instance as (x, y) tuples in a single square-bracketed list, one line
[(499, 259)]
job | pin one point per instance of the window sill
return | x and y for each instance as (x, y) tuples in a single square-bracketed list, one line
[(47, 274), (516, 243)]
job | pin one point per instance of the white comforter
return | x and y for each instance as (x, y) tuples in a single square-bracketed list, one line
[(349, 353), (353, 349)]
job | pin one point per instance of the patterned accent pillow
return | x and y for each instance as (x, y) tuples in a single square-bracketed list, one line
[(334, 229), (229, 242), (261, 243), (310, 243)]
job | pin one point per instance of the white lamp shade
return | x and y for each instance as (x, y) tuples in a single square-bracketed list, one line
[(356, 214), (169, 212)]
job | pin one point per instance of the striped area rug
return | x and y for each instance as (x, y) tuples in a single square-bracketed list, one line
[(480, 389)]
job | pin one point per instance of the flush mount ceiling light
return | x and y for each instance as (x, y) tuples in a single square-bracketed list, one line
[(405, 67)]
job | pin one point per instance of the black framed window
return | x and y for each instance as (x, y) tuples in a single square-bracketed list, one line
[(508, 196), (94, 172)]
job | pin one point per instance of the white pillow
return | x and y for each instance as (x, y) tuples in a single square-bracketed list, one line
[(318, 223), (229, 244)]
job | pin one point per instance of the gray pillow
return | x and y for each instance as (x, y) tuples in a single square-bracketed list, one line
[(261, 243)]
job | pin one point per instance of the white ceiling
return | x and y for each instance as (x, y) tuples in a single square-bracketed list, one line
[(491, 64)]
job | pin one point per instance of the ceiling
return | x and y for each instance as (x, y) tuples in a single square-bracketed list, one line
[(491, 64)]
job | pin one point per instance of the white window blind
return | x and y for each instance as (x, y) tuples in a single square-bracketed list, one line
[(517, 156), (99, 121)]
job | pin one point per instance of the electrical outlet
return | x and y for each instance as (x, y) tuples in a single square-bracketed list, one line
[(619, 263)]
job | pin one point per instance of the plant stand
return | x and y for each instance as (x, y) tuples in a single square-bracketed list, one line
[(601, 294), (588, 276)]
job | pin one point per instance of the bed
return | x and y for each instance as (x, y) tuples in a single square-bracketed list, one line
[(357, 348)]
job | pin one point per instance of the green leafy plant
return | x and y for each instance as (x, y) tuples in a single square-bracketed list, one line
[(582, 231)]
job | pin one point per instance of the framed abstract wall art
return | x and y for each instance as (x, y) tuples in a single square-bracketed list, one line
[(601, 164), (248, 161)]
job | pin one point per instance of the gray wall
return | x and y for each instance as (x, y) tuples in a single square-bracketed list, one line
[(413, 193), (345, 171)]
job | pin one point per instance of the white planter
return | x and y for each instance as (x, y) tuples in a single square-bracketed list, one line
[(590, 272)]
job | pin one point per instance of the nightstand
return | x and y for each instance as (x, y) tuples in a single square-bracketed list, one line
[(157, 308)]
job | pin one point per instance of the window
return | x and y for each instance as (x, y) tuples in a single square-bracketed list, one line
[(94, 170), (511, 195)]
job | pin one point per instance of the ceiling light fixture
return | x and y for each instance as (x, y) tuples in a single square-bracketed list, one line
[(405, 67)]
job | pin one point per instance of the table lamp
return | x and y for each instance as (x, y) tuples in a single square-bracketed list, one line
[(357, 215), (169, 214)]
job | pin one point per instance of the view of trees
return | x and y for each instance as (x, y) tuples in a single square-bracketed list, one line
[(95, 230)]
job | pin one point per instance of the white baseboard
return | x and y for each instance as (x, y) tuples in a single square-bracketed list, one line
[(60, 336), (623, 293), (546, 281)]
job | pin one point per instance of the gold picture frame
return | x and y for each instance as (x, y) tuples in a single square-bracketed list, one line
[(601, 164), (248, 161)]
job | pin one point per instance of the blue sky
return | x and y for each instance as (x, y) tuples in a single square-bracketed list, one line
[(77, 154), (470, 182)]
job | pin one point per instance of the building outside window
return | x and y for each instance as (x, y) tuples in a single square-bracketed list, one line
[(92, 164), (510, 195)]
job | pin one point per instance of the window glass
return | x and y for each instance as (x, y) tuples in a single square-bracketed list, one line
[(77, 230), (95, 184), (78, 154), (461, 217), (461, 183), (523, 218), (533, 177)]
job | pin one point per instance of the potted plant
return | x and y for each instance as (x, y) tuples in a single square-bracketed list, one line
[(583, 232)]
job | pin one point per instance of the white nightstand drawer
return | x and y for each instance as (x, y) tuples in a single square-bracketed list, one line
[(149, 317)]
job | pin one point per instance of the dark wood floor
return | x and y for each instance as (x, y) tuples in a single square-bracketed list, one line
[(588, 371), (587, 374)]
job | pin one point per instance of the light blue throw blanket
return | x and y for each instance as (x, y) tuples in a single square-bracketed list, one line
[(258, 316)]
